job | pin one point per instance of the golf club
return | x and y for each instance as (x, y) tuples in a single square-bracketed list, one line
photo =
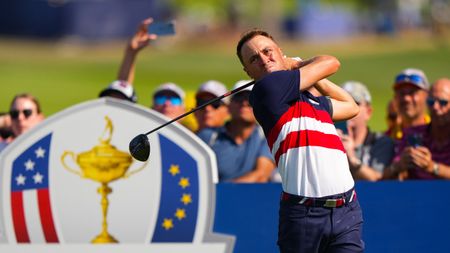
[(140, 145)]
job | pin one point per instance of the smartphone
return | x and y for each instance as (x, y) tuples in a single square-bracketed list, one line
[(414, 140), (342, 125), (162, 28)]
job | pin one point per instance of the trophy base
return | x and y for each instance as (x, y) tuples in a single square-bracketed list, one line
[(104, 238)]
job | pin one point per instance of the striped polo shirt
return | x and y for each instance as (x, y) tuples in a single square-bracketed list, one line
[(301, 136)]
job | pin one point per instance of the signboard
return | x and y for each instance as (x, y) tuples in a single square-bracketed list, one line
[(70, 185)]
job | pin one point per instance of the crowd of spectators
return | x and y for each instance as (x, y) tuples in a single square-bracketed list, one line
[(416, 144)]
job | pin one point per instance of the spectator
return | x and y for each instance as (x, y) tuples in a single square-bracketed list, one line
[(25, 113), (168, 99), (241, 149), (394, 121), (215, 114), (425, 150), (411, 89), (368, 152), (122, 88), (5, 128)]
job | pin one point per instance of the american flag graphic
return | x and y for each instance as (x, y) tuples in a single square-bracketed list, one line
[(30, 198)]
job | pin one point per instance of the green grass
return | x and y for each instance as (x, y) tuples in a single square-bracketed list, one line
[(63, 74)]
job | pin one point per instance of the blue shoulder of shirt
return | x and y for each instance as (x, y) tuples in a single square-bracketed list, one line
[(206, 133)]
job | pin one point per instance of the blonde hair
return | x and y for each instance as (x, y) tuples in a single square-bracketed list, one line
[(27, 96)]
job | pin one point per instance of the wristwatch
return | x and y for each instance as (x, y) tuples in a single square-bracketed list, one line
[(436, 168)]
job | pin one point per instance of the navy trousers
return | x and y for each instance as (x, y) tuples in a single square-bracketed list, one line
[(320, 229)]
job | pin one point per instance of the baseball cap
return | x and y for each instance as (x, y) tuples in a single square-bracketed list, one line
[(170, 87), (214, 88), (122, 88), (412, 76), (358, 91), (241, 83)]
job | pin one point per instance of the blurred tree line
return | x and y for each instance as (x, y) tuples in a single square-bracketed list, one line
[(379, 16)]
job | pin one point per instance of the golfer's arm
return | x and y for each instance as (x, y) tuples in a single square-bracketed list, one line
[(344, 107), (315, 69)]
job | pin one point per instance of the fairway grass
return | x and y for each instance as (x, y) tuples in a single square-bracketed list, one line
[(64, 73)]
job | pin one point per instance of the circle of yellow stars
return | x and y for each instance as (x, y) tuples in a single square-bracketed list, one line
[(186, 199)]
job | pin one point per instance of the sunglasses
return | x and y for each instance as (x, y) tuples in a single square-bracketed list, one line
[(160, 100), (15, 113), (409, 79), (392, 116), (431, 101), (215, 104)]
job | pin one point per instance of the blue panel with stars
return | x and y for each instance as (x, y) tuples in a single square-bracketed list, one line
[(177, 216), (30, 169)]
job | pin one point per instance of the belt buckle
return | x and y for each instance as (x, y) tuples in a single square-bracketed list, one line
[(334, 203)]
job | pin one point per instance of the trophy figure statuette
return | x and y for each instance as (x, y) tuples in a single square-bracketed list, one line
[(104, 163)]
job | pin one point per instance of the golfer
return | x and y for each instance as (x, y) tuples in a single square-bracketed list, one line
[(319, 211)]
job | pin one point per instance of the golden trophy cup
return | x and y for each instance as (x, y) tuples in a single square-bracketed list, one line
[(103, 164)]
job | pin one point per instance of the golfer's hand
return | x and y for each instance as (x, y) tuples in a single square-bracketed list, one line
[(292, 63)]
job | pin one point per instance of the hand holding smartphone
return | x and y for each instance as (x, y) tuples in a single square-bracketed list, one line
[(162, 28), (414, 140)]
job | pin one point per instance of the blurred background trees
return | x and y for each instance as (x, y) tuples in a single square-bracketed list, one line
[(311, 19)]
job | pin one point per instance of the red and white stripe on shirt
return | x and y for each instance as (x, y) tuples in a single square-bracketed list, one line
[(309, 153)]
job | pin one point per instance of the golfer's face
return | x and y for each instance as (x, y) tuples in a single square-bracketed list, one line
[(261, 56)]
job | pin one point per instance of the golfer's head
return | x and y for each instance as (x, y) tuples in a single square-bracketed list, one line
[(259, 54)]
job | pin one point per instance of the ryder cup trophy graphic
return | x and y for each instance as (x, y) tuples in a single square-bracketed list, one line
[(104, 163)]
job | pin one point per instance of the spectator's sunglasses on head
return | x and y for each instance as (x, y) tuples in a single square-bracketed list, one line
[(431, 101), (15, 113), (160, 100), (409, 79), (215, 104)]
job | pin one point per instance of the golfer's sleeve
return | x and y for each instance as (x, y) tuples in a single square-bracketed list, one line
[(326, 102)]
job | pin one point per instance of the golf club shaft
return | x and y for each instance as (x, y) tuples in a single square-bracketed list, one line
[(202, 106)]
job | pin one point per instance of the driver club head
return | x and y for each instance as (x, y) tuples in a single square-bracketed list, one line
[(140, 147)]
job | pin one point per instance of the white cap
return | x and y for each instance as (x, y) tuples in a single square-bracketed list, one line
[(241, 83), (412, 76), (358, 91), (122, 87), (214, 88), (170, 87)]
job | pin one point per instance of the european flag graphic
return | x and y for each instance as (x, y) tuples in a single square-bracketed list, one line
[(177, 216)]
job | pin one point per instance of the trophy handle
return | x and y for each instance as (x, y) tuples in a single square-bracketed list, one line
[(65, 165), (135, 171)]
